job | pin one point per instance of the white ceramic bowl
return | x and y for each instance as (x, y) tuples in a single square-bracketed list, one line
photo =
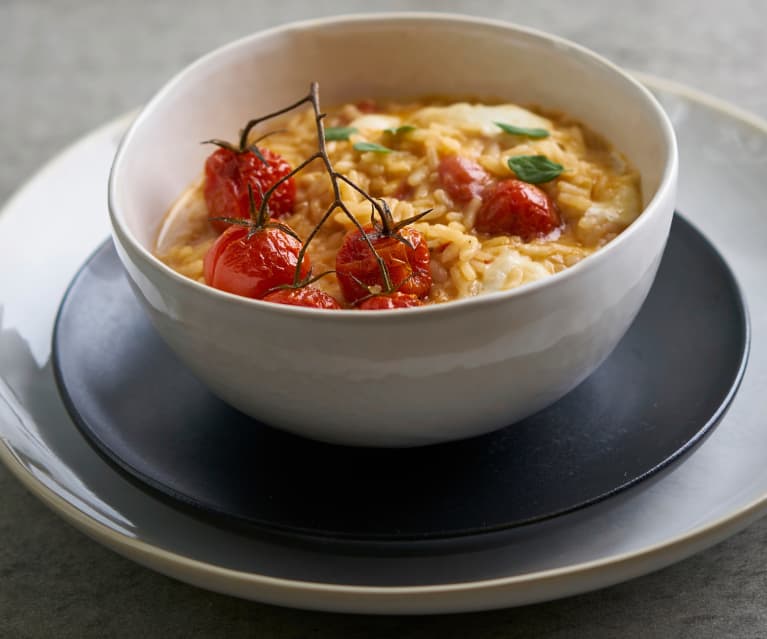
[(412, 376)]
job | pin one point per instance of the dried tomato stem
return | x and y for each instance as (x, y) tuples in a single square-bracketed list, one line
[(258, 219), (256, 121), (284, 178), (337, 203), (314, 97), (333, 206), (222, 144), (269, 134), (400, 225), (376, 204), (283, 227), (310, 279)]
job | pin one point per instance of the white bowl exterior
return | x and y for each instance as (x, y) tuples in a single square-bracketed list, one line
[(410, 379), (397, 378)]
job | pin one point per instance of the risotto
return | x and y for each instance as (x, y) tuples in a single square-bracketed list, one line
[(402, 153)]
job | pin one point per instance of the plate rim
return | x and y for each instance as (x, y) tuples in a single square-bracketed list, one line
[(213, 513), (559, 581)]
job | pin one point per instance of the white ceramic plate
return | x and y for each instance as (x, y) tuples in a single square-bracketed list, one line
[(711, 494)]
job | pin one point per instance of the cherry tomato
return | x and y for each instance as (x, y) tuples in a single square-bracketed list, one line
[(408, 267), (462, 178), (305, 296), (390, 300), (367, 106), (251, 266), (227, 175), (517, 208)]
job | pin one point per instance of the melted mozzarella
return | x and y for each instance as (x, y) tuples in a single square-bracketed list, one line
[(610, 216), (511, 269), (480, 118), (375, 122)]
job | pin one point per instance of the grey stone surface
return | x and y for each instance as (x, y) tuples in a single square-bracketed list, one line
[(68, 66)]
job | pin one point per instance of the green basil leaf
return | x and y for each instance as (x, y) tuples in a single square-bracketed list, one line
[(518, 130), (370, 146), (339, 132), (534, 169), (396, 130)]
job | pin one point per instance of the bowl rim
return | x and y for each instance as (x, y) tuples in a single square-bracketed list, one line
[(667, 182)]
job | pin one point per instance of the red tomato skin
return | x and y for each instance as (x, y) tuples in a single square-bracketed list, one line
[(227, 175), (367, 106), (404, 191), (462, 178), (305, 296), (517, 208), (251, 266), (389, 301), (409, 268)]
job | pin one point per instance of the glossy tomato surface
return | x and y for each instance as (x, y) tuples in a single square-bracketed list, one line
[(408, 265), (517, 208), (389, 301), (309, 296), (227, 176), (462, 178), (251, 266)]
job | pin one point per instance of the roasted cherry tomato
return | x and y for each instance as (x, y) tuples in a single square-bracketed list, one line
[(367, 106), (304, 296), (408, 267), (389, 300), (517, 208), (463, 179), (227, 175), (250, 266)]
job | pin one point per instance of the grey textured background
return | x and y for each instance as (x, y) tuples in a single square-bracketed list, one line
[(66, 67)]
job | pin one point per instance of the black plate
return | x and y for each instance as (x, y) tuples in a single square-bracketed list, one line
[(659, 393)]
